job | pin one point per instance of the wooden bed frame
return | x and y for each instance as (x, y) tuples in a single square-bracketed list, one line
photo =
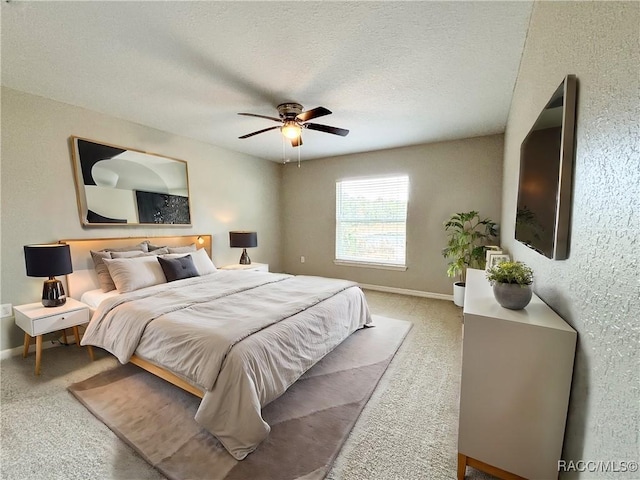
[(84, 279), (166, 375)]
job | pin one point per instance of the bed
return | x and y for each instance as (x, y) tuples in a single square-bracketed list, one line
[(237, 339)]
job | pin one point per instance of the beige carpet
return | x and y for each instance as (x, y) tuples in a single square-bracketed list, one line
[(408, 430), (310, 422)]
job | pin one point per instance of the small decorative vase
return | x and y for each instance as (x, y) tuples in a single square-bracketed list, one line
[(512, 295)]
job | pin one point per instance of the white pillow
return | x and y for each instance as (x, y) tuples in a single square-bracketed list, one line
[(201, 260), (131, 274), (203, 263)]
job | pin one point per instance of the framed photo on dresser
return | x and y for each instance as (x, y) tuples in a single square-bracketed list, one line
[(497, 258)]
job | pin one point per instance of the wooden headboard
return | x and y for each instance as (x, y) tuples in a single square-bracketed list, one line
[(84, 277)]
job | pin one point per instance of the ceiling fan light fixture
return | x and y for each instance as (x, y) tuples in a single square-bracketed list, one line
[(291, 130)]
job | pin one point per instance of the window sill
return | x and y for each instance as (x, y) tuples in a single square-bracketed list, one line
[(379, 266)]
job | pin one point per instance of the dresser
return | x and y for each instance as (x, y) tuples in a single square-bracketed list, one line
[(517, 367)]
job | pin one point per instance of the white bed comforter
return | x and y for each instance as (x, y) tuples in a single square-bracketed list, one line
[(241, 337)]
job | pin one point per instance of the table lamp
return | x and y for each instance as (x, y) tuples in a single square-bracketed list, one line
[(48, 261), (243, 240)]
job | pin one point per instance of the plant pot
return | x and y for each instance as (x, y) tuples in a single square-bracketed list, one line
[(512, 295), (458, 293)]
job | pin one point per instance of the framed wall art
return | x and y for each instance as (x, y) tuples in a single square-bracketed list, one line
[(123, 186)]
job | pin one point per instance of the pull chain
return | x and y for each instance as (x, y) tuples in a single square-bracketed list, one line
[(284, 158)]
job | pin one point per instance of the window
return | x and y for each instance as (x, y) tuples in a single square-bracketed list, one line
[(371, 221)]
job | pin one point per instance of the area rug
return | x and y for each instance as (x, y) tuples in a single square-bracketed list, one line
[(309, 423)]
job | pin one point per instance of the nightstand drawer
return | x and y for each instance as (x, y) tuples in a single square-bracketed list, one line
[(51, 323)]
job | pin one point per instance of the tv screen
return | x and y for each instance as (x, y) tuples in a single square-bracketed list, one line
[(546, 165)]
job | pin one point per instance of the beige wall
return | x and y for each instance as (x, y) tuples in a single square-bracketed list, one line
[(444, 178), (228, 190), (597, 288)]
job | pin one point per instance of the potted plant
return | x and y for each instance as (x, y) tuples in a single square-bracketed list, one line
[(467, 237), (511, 283)]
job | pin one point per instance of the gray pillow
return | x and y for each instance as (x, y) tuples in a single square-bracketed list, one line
[(131, 274), (138, 253), (153, 247), (141, 247), (104, 278), (178, 268), (187, 249)]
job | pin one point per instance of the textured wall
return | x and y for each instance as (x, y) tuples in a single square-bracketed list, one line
[(597, 289), (228, 190), (444, 178)]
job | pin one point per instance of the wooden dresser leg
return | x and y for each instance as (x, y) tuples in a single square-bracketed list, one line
[(90, 350), (462, 466), (27, 342), (64, 336), (38, 353)]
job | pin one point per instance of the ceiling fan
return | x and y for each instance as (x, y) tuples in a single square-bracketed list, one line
[(293, 120)]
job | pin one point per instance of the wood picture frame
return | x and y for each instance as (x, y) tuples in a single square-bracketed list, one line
[(497, 258), (119, 186)]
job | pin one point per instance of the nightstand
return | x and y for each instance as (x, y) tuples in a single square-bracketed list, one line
[(36, 320), (252, 267)]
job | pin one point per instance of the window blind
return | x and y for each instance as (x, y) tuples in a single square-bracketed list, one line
[(371, 220)]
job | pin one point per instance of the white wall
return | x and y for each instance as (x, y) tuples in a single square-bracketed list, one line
[(228, 190), (445, 177), (597, 289)]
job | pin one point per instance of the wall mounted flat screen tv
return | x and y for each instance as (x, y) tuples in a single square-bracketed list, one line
[(546, 170)]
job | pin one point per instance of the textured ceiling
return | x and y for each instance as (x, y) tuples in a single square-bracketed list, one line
[(393, 73)]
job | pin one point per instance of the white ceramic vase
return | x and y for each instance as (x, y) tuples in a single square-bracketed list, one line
[(458, 293)]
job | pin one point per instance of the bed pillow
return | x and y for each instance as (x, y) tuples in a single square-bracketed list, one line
[(131, 274), (141, 247), (178, 268), (104, 279), (138, 253), (201, 260), (151, 247), (187, 249)]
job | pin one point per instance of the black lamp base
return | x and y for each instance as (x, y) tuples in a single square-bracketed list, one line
[(53, 293), (244, 258)]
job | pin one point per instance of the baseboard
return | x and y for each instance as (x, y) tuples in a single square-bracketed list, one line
[(405, 291), (10, 352)]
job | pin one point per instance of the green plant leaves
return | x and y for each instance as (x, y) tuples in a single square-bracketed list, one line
[(467, 237), (510, 272)]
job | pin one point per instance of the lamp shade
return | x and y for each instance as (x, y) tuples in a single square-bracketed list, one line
[(243, 239), (47, 260)]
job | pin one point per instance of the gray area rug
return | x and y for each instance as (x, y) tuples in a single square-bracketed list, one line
[(310, 422)]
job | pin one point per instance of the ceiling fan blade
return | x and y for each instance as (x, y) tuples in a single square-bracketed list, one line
[(296, 142), (327, 129), (259, 131), (313, 113), (279, 120)]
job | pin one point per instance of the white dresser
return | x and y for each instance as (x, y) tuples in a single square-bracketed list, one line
[(517, 367)]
